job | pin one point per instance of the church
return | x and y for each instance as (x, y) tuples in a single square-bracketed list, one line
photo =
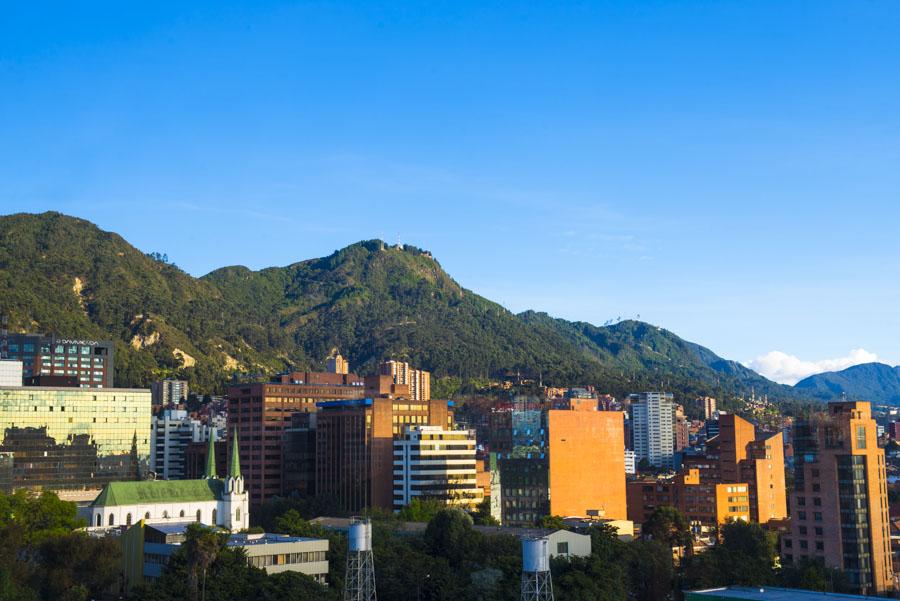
[(212, 500)]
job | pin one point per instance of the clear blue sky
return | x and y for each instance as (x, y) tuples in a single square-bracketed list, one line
[(728, 170)]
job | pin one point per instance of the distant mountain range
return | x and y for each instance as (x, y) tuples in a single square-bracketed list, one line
[(368, 300), (874, 382)]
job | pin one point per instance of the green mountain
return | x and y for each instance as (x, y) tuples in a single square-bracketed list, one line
[(875, 382), (369, 300)]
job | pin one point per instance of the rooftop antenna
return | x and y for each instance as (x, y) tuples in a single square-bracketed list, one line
[(537, 584), (359, 580)]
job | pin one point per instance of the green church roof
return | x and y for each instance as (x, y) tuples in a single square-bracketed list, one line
[(159, 491)]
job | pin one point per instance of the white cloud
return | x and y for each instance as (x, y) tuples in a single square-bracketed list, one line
[(788, 369)]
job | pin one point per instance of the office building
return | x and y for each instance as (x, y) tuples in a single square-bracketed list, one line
[(263, 411), (553, 466), (839, 503), (74, 438), (706, 505), (653, 428), (147, 548), (10, 372), (337, 364), (419, 381), (432, 462), (92, 361), (169, 392), (171, 433), (299, 473), (355, 442)]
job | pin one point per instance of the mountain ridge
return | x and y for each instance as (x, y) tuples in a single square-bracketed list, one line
[(370, 300), (875, 382)]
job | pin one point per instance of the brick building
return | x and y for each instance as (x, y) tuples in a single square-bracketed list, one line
[(354, 446), (706, 505), (739, 454), (262, 412)]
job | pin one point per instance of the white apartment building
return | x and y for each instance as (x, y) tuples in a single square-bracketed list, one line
[(10, 372), (169, 391), (171, 432), (630, 462), (653, 425), (418, 380), (431, 462)]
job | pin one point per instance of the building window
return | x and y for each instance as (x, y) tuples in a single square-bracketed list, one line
[(147, 516), (198, 515), (214, 522), (99, 520), (237, 515), (112, 520), (860, 437), (128, 520), (181, 515), (562, 548)]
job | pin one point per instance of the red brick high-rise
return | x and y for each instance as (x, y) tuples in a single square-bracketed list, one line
[(261, 412)]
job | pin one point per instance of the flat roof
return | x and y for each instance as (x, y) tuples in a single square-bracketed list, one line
[(268, 538), (772, 593), (75, 389)]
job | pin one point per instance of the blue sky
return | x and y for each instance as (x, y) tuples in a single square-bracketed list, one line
[(728, 170)]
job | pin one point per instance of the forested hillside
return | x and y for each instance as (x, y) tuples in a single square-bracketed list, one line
[(369, 300)]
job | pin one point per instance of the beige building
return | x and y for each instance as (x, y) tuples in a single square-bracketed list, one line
[(839, 504), (418, 380), (337, 365)]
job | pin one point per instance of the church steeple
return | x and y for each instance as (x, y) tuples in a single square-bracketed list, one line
[(211, 457), (234, 467)]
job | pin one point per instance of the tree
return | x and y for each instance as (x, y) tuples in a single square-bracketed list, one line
[(651, 572), (421, 509), (449, 534), (553, 522), (668, 526), (812, 574), (482, 515), (746, 556), (202, 546), (75, 567)]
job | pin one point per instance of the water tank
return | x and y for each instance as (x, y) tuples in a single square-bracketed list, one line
[(535, 555), (361, 536)]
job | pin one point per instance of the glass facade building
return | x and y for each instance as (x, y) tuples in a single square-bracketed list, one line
[(71, 438), (91, 361)]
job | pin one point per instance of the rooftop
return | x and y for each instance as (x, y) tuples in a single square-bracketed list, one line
[(770, 593), (149, 492)]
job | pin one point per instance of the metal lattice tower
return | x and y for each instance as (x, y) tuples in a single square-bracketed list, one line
[(359, 580), (536, 582)]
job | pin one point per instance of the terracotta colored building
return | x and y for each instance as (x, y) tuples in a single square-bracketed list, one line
[(704, 504), (736, 454), (262, 412), (840, 506), (354, 446), (573, 464)]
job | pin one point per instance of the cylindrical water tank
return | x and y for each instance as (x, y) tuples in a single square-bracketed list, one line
[(361, 536), (535, 555)]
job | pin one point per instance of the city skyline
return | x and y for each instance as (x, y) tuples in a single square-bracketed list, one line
[(722, 172)]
